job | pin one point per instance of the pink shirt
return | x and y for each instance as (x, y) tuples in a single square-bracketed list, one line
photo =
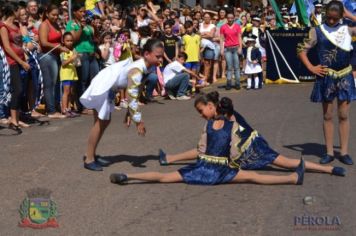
[(231, 34)]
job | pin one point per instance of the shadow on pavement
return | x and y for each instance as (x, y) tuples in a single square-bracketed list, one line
[(313, 149), (136, 161)]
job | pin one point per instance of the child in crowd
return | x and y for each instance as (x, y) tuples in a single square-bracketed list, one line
[(177, 78), (170, 42), (253, 62), (107, 49), (191, 46), (68, 74), (144, 35)]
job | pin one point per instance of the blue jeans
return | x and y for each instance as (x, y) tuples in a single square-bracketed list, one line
[(178, 84), (4, 110), (36, 87), (86, 72), (50, 68), (232, 61), (151, 82)]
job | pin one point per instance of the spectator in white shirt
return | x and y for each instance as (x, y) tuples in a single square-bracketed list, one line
[(176, 78)]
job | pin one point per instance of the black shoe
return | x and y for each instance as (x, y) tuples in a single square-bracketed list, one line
[(15, 128), (228, 87), (162, 158), (346, 159), (237, 87), (101, 161), (300, 171), (118, 178), (338, 171), (93, 166), (326, 159)]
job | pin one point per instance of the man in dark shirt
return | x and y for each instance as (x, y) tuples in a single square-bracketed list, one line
[(170, 42)]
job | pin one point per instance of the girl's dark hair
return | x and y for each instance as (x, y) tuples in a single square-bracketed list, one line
[(335, 6), (9, 9), (104, 34), (144, 31), (48, 10), (157, 34), (151, 44), (204, 98), (65, 35), (77, 6), (224, 105)]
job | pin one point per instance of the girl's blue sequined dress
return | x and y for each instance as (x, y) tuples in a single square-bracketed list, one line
[(212, 167), (252, 150), (335, 84)]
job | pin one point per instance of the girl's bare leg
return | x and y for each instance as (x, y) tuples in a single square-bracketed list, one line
[(289, 163), (244, 176), (328, 127), (215, 71), (65, 98), (184, 156), (95, 135), (344, 126), (172, 177)]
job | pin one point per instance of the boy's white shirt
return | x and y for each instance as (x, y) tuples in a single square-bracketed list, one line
[(171, 70)]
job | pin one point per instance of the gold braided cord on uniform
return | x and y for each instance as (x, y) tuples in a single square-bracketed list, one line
[(340, 73), (214, 159)]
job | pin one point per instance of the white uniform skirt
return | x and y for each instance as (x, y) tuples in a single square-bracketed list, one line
[(251, 68), (101, 93)]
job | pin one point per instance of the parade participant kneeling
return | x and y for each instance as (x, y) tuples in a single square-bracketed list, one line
[(101, 93), (221, 155), (334, 79), (176, 78)]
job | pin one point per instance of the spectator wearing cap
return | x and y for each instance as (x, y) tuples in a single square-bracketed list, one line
[(284, 9), (286, 21), (318, 16), (294, 21)]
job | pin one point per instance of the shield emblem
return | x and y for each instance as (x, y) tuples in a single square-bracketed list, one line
[(39, 210)]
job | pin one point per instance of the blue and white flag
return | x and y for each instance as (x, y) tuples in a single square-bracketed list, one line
[(350, 5), (308, 4)]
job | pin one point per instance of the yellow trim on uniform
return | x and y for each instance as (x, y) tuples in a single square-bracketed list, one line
[(214, 159)]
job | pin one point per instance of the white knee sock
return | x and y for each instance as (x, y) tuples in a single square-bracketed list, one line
[(256, 82), (249, 82)]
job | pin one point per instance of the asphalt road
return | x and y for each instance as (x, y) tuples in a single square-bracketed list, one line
[(88, 204)]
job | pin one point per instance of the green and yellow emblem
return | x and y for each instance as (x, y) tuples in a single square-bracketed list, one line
[(38, 210)]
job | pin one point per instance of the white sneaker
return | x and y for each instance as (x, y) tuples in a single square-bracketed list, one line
[(171, 97), (124, 104), (182, 98)]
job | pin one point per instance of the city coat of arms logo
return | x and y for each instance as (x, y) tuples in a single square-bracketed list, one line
[(38, 210)]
